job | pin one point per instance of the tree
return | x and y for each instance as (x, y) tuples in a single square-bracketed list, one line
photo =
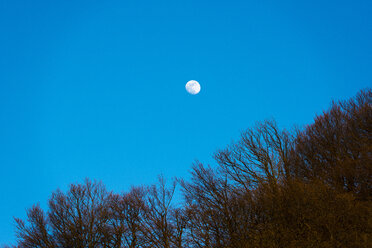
[(260, 156), (218, 214), (127, 212), (76, 219), (272, 188), (163, 225), (337, 147), (36, 233), (79, 218)]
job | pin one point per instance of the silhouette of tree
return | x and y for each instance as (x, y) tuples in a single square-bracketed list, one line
[(127, 213), (36, 233), (75, 219), (163, 226), (261, 156), (337, 147), (79, 218), (218, 213), (272, 188)]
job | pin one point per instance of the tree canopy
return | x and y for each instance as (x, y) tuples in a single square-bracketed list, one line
[(309, 187)]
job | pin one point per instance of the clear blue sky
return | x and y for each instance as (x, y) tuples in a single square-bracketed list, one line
[(96, 88)]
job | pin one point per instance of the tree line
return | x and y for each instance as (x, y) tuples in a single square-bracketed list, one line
[(308, 187)]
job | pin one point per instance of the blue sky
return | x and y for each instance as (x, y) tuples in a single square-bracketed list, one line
[(96, 88)]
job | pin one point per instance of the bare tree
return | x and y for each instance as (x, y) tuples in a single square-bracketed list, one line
[(163, 226), (126, 217), (36, 233), (337, 147), (272, 188), (79, 218), (178, 218), (218, 212), (261, 156)]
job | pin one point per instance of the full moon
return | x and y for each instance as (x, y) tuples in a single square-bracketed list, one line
[(193, 87)]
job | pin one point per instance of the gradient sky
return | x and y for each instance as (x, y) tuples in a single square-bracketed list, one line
[(96, 88)]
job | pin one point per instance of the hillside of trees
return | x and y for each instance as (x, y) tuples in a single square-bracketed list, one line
[(309, 187)]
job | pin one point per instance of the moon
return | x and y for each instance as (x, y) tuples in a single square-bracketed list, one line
[(193, 87)]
